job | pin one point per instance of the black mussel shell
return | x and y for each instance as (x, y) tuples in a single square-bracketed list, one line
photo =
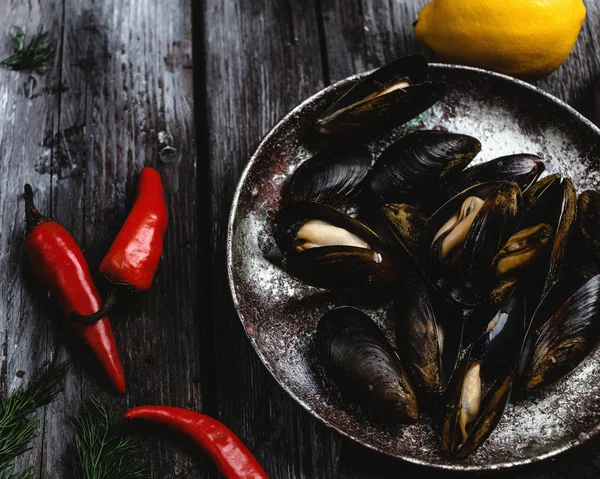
[(523, 168), (484, 239), (331, 176), (364, 366), (481, 386), (589, 221), (493, 226), (566, 338), (345, 269), (366, 110), (292, 217), (553, 202), (420, 164), (428, 335), (404, 224)]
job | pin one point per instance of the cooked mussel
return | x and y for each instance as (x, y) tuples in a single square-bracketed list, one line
[(404, 224), (481, 386), (459, 242), (428, 334), (564, 329), (364, 365), (385, 99), (331, 176), (589, 221), (523, 168), (421, 165), (329, 249)]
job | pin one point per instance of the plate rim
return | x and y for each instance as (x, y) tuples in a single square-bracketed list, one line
[(502, 466)]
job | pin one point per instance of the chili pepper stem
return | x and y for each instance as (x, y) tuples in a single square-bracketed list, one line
[(33, 217), (113, 297)]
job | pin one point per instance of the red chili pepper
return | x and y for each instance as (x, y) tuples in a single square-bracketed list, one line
[(132, 259), (233, 459), (58, 261)]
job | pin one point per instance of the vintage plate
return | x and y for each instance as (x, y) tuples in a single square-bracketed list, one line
[(279, 313)]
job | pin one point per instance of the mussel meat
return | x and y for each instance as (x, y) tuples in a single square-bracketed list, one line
[(523, 168), (420, 166), (564, 329), (364, 365), (385, 99), (460, 241), (332, 176), (481, 386), (329, 249)]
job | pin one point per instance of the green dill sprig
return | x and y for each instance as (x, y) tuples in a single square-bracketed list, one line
[(35, 56), (17, 428), (102, 449)]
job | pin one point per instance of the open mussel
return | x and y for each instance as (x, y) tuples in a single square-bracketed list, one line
[(428, 334), (385, 99), (364, 365), (420, 166), (329, 249), (332, 176), (460, 240), (523, 168), (481, 385), (563, 331)]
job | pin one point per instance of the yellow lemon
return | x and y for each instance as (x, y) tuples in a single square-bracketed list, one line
[(524, 38)]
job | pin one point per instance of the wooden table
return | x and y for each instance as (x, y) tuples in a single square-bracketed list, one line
[(189, 88)]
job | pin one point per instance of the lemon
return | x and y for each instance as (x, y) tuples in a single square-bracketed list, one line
[(524, 38)]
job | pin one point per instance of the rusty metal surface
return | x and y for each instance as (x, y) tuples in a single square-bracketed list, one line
[(280, 314)]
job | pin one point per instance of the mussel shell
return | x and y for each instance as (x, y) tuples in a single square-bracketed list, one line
[(345, 269), (551, 200), (404, 224), (449, 281), (565, 339), (497, 351), (522, 168), (290, 219), (428, 334), (352, 116), (331, 176), (419, 164), (493, 226), (364, 366), (589, 220)]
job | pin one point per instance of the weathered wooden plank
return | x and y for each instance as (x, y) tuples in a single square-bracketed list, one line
[(262, 58), (80, 135), (365, 34), (26, 315)]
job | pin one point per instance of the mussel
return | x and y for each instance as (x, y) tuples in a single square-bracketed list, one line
[(329, 249), (460, 240), (403, 223), (589, 221), (364, 365), (564, 329), (420, 166), (481, 386), (385, 99), (523, 168), (428, 334), (332, 176)]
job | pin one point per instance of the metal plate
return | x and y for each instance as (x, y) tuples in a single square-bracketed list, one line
[(279, 313)]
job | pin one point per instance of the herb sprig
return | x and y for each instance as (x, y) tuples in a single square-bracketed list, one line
[(35, 56), (17, 428), (102, 449)]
